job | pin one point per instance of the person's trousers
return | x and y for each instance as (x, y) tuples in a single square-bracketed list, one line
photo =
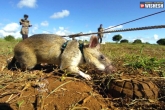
[(24, 32), (24, 36)]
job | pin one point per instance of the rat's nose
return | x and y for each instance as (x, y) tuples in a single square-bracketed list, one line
[(111, 69)]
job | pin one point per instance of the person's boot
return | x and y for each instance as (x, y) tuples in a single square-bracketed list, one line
[(26, 36), (23, 36)]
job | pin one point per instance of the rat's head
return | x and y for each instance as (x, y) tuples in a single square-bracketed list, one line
[(93, 56)]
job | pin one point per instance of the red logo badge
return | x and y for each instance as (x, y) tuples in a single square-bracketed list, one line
[(141, 5)]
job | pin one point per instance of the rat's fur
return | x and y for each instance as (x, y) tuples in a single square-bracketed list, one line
[(46, 48)]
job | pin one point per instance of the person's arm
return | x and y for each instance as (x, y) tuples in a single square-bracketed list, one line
[(102, 29), (98, 29), (21, 21), (30, 24)]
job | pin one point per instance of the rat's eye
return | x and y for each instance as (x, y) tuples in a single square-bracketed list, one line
[(102, 57)]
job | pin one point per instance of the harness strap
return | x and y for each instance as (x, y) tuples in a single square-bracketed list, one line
[(64, 46), (81, 46)]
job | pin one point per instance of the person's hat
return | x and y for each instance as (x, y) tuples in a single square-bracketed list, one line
[(25, 15)]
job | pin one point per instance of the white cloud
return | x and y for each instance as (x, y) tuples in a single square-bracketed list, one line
[(61, 28), (62, 31), (45, 32), (156, 37), (107, 36), (4, 33), (54, 29), (12, 27), (62, 14), (143, 40), (110, 28), (15, 34), (44, 23), (27, 3), (84, 37), (34, 29)]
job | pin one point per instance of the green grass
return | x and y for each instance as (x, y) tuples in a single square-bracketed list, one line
[(125, 50), (7, 47), (19, 104), (2, 40), (147, 57)]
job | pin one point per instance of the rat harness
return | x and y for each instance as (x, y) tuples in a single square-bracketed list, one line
[(81, 46)]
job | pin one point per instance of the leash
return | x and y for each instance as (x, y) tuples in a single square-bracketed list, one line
[(136, 19), (120, 30)]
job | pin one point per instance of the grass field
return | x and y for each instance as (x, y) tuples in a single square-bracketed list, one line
[(146, 58), (130, 60)]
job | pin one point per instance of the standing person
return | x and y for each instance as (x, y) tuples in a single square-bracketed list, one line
[(25, 27), (100, 35)]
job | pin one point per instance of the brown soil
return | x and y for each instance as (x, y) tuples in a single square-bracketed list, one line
[(49, 89)]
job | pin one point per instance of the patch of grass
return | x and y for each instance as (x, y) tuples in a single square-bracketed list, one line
[(147, 57), (2, 40), (147, 63), (7, 47), (19, 104)]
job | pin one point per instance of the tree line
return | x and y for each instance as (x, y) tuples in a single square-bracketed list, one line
[(11, 38), (117, 38)]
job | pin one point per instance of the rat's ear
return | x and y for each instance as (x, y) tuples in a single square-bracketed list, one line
[(98, 46), (93, 42)]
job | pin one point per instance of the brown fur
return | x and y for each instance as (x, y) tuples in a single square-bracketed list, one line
[(46, 48)]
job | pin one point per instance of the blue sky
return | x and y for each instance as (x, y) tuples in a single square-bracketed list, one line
[(66, 17)]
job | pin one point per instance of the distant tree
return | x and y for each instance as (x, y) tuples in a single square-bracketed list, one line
[(137, 41), (161, 42), (9, 38), (86, 41), (117, 38), (124, 41), (147, 43)]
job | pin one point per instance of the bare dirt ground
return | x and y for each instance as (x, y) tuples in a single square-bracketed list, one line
[(48, 88)]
